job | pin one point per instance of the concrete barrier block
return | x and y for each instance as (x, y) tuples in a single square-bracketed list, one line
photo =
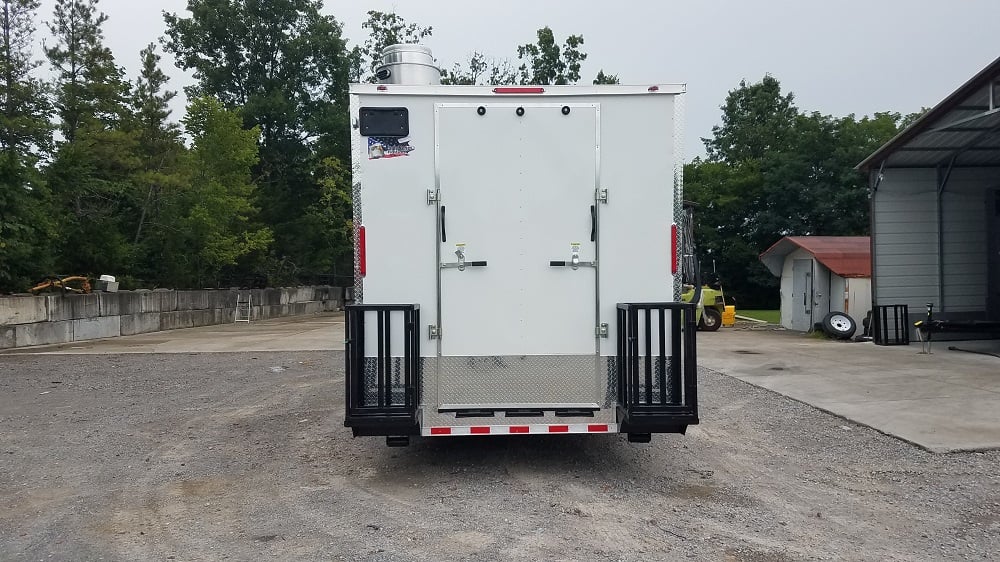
[(270, 297), (203, 317), (224, 315), (22, 310), (133, 324), (97, 328), (176, 320), (194, 300), (110, 304), (43, 333), (168, 299), (72, 307), (6, 337), (129, 302), (314, 307)]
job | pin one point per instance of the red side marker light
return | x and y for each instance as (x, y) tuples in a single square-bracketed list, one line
[(518, 90), (362, 252), (653, 89), (673, 249), (382, 88)]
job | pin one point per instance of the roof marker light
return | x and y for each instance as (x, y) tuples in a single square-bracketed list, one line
[(519, 90), (653, 89), (382, 88)]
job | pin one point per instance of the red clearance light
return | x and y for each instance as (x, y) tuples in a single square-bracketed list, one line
[(653, 89), (673, 249), (382, 88), (518, 90), (362, 252)]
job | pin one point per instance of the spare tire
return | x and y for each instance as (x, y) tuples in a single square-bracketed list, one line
[(839, 325)]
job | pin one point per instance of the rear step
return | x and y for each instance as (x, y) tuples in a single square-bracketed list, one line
[(519, 412), (657, 390)]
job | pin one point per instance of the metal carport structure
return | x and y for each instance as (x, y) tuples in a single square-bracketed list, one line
[(935, 208)]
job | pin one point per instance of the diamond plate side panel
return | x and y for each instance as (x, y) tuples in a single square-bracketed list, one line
[(357, 157), (678, 179)]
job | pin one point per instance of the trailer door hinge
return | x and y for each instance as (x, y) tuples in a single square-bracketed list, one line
[(433, 196), (602, 330), (433, 332), (601, 195)]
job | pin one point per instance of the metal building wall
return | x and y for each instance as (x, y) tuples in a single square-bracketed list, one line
[(917, 261)]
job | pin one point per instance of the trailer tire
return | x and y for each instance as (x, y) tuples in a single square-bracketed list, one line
[(711, 320), (839, 325)]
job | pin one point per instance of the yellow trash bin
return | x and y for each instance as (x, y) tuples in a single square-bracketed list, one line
[(729, 316)]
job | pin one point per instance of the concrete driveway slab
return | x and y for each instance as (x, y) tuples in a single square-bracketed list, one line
[(943, 401)]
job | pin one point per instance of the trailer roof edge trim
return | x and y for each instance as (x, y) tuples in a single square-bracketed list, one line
[(469, 91)]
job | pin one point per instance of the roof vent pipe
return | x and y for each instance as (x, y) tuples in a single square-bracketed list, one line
[(408, 64)]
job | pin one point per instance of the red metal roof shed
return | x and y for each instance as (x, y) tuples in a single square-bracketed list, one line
[(846, 256)]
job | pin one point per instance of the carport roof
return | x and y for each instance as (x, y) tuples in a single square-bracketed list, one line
[(847, 256), (963, 130)]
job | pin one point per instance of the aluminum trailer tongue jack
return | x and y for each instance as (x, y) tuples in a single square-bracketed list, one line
[(516, 260)]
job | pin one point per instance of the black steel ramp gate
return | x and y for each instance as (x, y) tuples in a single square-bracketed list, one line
[(383, 390), (657, 384)]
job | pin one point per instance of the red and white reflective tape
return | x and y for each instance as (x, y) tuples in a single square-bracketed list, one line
[(534, 429)]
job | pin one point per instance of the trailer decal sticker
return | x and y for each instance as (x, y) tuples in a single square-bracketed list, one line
[(388, 147)]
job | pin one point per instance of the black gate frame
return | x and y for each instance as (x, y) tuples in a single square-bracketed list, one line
[(641, 410), (372, 411)]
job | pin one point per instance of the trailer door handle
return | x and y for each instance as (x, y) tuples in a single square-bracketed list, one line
[(579, 264), (444, 232), (593, 223)]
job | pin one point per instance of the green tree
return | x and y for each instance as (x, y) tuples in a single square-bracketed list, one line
[(603, 78), (90, 87), (212, 219), (160, 175), (480, 69), (757, 120), (774, 171), (543, 62), (285, 66), (384, 29), (92, 170), (25, 137)]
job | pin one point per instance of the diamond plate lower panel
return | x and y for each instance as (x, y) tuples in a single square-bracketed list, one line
[(493, 380), (529, 379)]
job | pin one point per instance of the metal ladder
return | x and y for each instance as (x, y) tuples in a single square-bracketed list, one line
[(243, 308)]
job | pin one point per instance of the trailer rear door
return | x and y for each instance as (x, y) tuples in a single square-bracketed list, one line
[(517, 185)]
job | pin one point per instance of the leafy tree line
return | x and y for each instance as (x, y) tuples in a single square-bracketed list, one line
[(254, 180), (774, 170)]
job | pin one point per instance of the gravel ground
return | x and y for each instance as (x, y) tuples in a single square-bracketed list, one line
[(244, 456)]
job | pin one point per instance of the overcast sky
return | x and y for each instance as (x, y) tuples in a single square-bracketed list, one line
[(840, 57)]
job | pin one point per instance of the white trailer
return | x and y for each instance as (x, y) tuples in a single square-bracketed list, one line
[(517, 259)]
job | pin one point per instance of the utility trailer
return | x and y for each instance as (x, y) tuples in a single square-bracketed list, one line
[(517, 259)]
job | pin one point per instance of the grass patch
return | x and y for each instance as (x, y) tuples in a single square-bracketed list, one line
[(771, 316)]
